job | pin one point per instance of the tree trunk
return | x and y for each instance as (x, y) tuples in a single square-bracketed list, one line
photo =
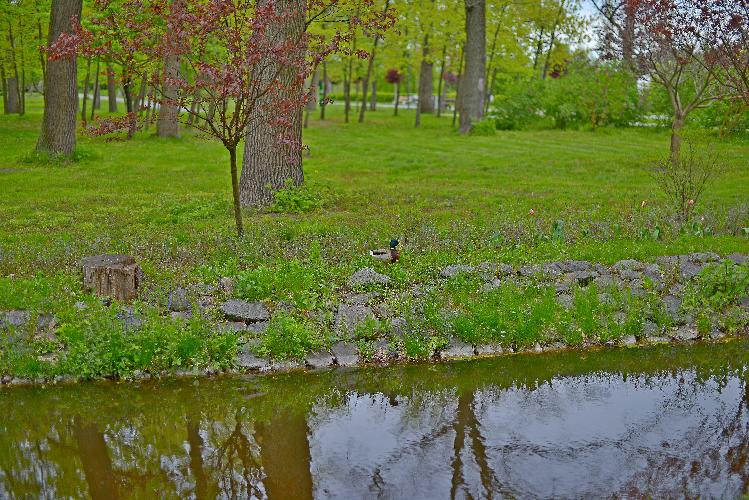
[(86, 82), (472, 86), (4, 83), (397, 98), (312, 103), (97, 90), (60, 87), (440, 83), (111, 89), (676, 127), (235, 190), (373, 97), (458, 93), (13, 105), (268, 163), (365, 83), (167, 125), (112, 275), (94, 455), (426, 81), (323, 102), (140, 101)]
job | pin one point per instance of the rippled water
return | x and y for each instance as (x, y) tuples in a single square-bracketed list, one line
[(660, 422)]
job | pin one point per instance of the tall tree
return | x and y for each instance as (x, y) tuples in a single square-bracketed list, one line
[(473, 85), (60, 85)]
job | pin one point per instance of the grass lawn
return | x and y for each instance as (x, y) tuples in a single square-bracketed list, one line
[(448, 199)]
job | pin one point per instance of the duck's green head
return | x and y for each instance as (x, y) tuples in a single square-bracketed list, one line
[(393, 244)]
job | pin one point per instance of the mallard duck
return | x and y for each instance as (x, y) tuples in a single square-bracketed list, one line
[(387, 254)]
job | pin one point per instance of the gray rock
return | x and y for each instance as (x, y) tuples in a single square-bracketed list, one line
[(565, 300), (361, 299), (349, 316), (455, 269), (248, 312), (538, 349), (574, 266), (737, 258), (489, 349), (673, 305), (345, 354), (658, 340), (247, 360), (15, 320), (130, 320), (226, 285), (5, 379), (556, 346), (668, 262), (689, 270), (80, 305), (604, 281), (367, 276), (629, 340), (319, 359), (684, 333), (492, 285), (630, 275), (628, 265), (457, 349), (653, 272), (716, 333), (530, 271), (704, 257), (650, 329), (398, 327), (181, 315), (584, 278), (231, 326), (744, 304), (178, 301), (284, 365), (258, 327)]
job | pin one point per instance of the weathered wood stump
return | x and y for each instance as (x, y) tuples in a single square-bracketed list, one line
[(112, 275)]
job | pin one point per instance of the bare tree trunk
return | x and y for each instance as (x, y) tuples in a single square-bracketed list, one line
[(397, 98), (60, 87), (472, 86), (370, 68), (86, 82), (40, 42), (197, 467), (111, 89), (13, 104), (268, 164), (676, 129), (94, 456), (373, 97), (312, 103), (458, 93), (440, 83), (22, 95), (140, 101), (235, 190), (426, 83), (16, 88), (167, 125), (323, 102), (97, 89), (4, 83)]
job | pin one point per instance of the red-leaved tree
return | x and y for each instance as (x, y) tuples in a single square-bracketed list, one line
[(248, 75)]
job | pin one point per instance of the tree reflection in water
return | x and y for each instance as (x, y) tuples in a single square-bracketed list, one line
[(661, 422)]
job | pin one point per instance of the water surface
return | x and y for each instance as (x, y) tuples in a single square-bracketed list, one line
[(662, 422)]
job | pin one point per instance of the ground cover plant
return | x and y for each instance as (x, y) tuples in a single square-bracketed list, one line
[(513, 197)]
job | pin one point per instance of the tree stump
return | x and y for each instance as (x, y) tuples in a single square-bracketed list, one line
[(112, 275)]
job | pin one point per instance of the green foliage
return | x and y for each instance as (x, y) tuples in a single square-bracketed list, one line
[(302, 284), (484, 128), (289, 337), (301, 199), (717, 287)]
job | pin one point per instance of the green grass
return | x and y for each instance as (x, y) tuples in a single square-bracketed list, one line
[(447, 198)]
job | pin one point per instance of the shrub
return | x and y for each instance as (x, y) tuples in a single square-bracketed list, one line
[(300, 199), (484, 128), (684, 179), (289, 337)]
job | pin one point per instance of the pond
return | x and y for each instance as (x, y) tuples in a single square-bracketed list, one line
[(660, 421)]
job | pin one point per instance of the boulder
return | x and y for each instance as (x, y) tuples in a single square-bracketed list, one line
[(684, 333), (489, 349), (247, 312), (455, 269), (629, 340), (367, 276), (115, 276), (247, 360), (129, 318), (457, 349), (628, 265), (583, 278), (15, 320), (349, 316), (737, 258), (226, 285), (177, 300), (345, 354), (319, 359), (574, 266)]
